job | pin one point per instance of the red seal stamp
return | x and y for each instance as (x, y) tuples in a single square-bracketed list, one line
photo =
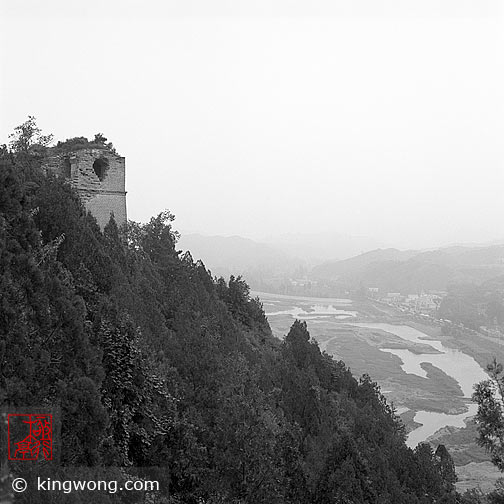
[(29, 436)]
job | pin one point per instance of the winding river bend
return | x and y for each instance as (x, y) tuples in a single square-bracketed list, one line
[(460, 366), (318, 312)]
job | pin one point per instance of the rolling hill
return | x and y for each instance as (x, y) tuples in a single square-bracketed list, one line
[(413, 271)]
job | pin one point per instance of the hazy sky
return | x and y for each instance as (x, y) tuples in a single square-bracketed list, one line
[(380, 119)]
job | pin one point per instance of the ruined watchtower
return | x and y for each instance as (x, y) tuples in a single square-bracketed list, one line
[(98, 174)]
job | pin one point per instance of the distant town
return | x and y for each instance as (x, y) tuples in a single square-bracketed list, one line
[(425, 303)]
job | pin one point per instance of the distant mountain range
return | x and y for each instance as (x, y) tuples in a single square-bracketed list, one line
[(412, 270), (292, 257), (356, 264), (317, 247), (234, 255)]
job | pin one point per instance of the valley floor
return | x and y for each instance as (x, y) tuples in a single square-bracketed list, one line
[(361, 349)]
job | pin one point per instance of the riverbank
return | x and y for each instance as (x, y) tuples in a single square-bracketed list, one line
[(383, 355), (472, 462)]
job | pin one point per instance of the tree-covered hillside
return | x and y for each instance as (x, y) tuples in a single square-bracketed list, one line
[(153, 362)]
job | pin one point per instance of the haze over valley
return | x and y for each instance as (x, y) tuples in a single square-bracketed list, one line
[(253, 252), (306, 265), (423, 323)]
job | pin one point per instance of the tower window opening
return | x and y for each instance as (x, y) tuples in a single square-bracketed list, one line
[(67, 168), (100, 167)]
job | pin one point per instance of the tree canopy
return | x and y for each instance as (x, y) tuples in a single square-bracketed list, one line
[(153, 362)]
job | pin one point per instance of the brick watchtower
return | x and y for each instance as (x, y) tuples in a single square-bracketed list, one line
[(98, 174)]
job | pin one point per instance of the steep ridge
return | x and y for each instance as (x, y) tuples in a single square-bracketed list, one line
[(154, 363)]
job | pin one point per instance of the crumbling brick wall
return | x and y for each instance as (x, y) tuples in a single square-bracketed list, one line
[(99, 175)]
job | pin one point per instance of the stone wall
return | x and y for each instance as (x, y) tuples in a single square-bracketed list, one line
[(101, 205), (99, 177)]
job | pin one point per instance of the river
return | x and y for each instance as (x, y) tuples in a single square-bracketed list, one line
[(460, 366)]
